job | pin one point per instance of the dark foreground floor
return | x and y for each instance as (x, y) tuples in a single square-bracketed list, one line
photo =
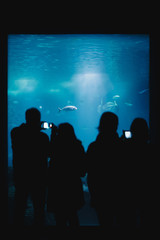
[(87, 215), (89, 226)]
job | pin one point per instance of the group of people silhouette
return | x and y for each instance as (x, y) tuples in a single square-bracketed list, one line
[(115, 167)]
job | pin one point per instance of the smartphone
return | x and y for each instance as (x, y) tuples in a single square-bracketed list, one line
[(127, 134), (46, 125)]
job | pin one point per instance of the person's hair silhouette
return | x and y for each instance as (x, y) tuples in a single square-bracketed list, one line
[(30, 152), (108, 123), (66, 132), (140, 131)]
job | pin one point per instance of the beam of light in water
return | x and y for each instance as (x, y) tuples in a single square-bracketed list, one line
[(91, 85), (25, 85)]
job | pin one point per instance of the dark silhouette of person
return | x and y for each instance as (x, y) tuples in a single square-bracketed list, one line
[(139, 178), (30, 158), (65, 192), (103, 156)]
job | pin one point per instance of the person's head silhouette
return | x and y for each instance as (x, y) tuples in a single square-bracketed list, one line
[(108, 123), (66, 131), (33, 118), (140, 130)]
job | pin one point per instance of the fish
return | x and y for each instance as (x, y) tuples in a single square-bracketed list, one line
[(138, 42), (143, 91), (108, 106), (67, 108), (115, 96), (128, 104)]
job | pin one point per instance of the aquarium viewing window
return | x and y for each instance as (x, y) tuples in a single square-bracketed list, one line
[(76, 77)]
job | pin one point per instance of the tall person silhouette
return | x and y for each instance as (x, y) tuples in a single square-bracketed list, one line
[(142, 179), (103, 158), (30, 152), (67, 166)]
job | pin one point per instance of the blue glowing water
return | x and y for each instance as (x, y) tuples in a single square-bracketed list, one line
[(94, 73)]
